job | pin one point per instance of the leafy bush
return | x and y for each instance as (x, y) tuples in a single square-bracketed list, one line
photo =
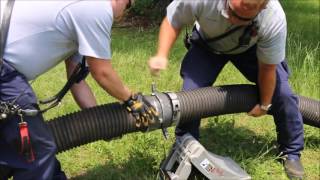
[(142, 7), (154, 9)]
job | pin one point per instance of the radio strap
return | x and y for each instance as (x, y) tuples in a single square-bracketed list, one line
[(5, 28)]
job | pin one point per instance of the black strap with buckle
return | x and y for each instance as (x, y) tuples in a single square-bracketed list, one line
[(79, 73), (6, 108), (5, 24), (244, 39)]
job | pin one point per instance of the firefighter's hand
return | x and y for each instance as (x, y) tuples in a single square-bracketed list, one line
[(156, 64), (143, 112), (257, 111)]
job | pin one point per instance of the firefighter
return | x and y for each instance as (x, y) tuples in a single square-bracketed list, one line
[(251, 34)]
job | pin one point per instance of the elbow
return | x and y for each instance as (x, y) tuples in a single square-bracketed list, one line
[(267, 67), (100, 69), (100, 74)]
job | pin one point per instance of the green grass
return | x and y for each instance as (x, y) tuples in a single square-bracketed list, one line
[(249, 141)]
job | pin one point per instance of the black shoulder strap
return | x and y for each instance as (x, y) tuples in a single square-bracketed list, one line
[(244, 39), (224, 34), (5, 27), (79, 73)]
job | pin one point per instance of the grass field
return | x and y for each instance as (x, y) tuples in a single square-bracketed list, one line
[(249, 141)]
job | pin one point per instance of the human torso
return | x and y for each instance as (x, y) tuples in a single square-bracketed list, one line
[(210, 22), (40, 36)]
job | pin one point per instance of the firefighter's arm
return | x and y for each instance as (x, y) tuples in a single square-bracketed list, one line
[(109, 80), (80, 91), (266, 84), (103, 72), (167, 37)]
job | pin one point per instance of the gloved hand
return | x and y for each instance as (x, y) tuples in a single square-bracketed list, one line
[(141, 110)]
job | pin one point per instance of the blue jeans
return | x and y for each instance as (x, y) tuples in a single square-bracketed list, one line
[(45, 166), (200, 68)]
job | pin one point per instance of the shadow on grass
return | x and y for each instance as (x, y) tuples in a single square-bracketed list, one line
[(138, 166), (219, 136)]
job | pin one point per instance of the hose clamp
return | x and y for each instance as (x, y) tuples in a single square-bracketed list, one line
[(175, 107), (159, 108)]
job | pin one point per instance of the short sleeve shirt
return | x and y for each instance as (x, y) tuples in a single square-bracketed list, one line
[(210, 22), (44, 33)]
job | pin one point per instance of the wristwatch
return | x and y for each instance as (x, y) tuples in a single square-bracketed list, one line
[(265, 107)]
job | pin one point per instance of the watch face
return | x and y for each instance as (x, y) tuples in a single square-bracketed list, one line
[(265, 107)]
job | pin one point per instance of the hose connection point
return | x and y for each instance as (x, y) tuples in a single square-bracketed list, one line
[(175, 107)]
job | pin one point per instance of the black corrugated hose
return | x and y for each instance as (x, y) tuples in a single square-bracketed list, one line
[(98, 123), (112, 120), (310, 110), (210, 101)]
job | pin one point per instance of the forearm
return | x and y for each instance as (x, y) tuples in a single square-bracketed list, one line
[(114, 86), (108, 79), (81, 92), (266, 82), (167, 37), (83, 95)]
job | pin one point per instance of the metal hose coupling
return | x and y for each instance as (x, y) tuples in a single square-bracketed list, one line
[(168, 107)]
